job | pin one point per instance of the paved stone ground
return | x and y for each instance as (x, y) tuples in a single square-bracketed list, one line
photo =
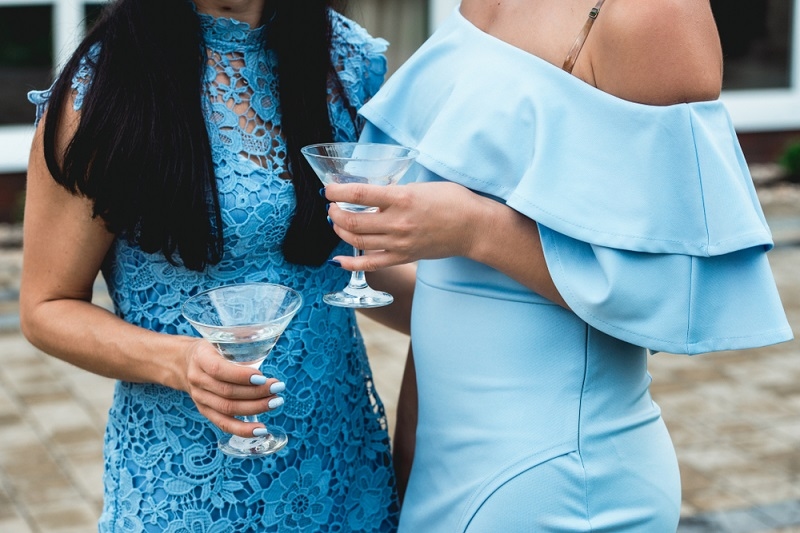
[(734, 417)]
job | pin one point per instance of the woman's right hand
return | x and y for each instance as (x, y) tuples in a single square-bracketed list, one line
[(432, 220), (222, 390), (415, 221)]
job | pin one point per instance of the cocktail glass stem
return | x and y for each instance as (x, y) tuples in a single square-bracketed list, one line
[(358, 293), (247, 445), (358, 279)]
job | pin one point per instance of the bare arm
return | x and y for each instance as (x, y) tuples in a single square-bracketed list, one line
[(405, 432), (399, 281), (63, 251)]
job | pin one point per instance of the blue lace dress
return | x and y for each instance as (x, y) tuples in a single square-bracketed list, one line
[(163, 472)]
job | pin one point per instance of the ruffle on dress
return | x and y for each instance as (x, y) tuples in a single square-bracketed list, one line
[(649, 220)]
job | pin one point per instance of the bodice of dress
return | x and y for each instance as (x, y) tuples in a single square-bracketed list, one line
[(163, 472), (622, 191), (256, 196)]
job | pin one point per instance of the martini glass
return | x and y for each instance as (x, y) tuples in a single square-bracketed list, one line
[(243, 322), (372, 163)]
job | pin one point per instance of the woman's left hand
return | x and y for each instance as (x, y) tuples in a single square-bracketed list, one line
[(414, 221)]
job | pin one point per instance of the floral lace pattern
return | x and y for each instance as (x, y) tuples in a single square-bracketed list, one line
[(163, 472)]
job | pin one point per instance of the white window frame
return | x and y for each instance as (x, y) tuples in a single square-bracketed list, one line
[(762, 110), (438, 10)]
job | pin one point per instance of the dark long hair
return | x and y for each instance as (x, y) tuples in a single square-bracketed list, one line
[(141, 151)]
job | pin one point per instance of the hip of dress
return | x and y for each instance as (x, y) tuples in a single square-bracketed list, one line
[(529, 419)]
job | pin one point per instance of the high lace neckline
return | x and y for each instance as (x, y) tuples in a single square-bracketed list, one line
[(229, 32)]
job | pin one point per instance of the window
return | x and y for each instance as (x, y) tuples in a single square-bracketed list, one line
[(26, 58), (36, 36), (756, 40), (402, 23), (760, 41)]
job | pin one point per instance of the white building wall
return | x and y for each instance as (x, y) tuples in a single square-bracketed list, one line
[(439, 10)]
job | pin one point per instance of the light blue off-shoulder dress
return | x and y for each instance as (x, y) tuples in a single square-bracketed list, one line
[(533, 418), (163, 473)]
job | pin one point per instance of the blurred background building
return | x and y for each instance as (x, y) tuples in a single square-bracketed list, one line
[(759, 37)]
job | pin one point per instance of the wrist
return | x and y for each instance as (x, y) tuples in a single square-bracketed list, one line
[(176, 372)]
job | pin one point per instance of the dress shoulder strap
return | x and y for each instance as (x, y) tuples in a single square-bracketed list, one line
[(572, 56)]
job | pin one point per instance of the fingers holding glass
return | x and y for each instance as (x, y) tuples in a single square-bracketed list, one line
[(243, 322), (365, 164)]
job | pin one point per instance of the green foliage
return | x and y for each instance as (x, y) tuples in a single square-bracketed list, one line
[(790, 158), (19, 207)]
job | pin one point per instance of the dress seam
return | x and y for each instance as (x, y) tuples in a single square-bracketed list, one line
[(700, 184), (690, 303), (116, 472), (474, 503), (587, 333)]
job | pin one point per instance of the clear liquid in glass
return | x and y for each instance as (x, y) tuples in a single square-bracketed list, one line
[(248, 349), (331, 177)]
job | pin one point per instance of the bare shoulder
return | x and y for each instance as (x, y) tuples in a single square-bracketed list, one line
[(657, 52)]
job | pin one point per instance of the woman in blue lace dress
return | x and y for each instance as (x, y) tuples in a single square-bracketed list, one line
[(167, 157)]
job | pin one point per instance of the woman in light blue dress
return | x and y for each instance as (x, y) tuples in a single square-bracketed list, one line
[(577, 203), (186, 175)]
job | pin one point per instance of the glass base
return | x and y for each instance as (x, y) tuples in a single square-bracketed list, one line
[(359, 298), (255, 446)]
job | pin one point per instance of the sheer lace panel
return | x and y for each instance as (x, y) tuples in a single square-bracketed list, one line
[(258, 134)]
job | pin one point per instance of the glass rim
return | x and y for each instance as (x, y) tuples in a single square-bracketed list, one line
[(413, 153), (289, 290)]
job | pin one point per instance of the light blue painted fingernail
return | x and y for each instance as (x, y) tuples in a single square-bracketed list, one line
[(258, 379), (275, 402), (260, 432), (278, 386)]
